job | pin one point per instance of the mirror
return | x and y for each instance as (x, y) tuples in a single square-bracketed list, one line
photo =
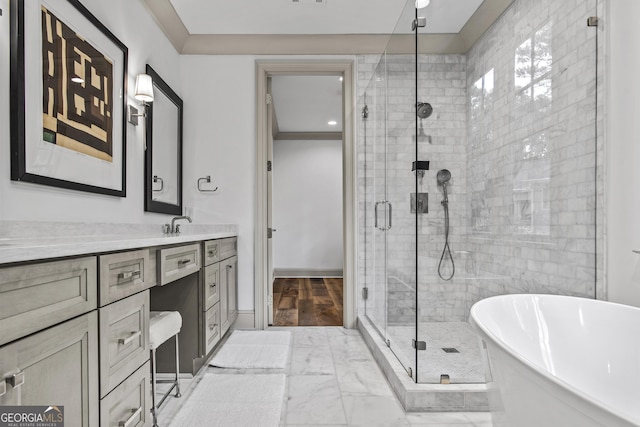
[(163, 157)]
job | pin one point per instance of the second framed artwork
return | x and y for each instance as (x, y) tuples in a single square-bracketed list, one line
[(68, 98)]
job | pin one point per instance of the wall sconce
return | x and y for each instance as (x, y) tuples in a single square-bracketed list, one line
[(143, 93)]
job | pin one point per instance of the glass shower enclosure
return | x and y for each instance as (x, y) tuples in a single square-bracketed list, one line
[(508, 200)]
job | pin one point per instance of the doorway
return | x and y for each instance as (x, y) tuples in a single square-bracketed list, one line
[(264, 269), (306, 200)]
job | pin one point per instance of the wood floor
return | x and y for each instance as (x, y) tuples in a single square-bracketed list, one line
[(307, 302)]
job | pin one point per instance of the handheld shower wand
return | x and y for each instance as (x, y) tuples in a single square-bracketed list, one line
[(443, 178)]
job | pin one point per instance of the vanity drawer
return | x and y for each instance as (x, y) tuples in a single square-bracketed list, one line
[(129, 404), (36, 296), (124, 339), (123, 274), (211, 285), (211, 251), (212, 327), (177, 262), (228, 247)]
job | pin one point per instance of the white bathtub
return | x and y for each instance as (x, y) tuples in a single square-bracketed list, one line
[(560, 361)]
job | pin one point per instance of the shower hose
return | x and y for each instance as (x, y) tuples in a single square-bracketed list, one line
[(446, 250)]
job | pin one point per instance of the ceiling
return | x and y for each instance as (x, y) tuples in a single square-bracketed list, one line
[(321, 27), (318, 16), (307, 104)]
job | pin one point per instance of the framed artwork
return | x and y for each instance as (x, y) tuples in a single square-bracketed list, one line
[(68, 98)]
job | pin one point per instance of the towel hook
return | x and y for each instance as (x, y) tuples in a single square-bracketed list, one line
[(206, 179)]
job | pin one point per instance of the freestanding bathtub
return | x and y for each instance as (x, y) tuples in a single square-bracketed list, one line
[(557, 361)]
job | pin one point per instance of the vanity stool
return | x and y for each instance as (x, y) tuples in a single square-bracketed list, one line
[(162, 326)]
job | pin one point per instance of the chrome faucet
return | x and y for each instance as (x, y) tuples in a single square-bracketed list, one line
[(175, 229)]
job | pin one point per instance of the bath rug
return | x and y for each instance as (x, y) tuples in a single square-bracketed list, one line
[(234, 400), (254, 350)]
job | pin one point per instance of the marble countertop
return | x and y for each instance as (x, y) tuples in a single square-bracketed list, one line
[(40, 242)]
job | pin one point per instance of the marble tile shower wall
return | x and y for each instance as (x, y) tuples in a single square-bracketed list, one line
[(531, 153), (388, 86)]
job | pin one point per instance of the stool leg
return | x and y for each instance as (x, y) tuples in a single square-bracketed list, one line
[(153, 388), (177, 369)]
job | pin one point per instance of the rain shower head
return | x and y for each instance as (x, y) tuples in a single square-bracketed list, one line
[(423, 109), (443, 176)]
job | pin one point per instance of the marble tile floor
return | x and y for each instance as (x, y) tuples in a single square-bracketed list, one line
[(333, 380)]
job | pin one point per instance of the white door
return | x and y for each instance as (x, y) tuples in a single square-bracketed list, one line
[(270, 229)]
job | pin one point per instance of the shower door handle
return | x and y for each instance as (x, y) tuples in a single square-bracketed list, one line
[(384, 227), (375, 214)]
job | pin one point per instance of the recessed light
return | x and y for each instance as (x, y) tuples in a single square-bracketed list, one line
[(332, 123), (77, 80), (340, 78)]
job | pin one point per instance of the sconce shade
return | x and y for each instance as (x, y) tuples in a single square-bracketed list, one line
[(422, 3), (144, 88)]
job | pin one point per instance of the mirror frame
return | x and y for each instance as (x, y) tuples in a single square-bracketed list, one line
[(151, 205)]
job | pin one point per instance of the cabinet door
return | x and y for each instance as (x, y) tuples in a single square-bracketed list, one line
[(58, 366), (224, 297), (232, 271), (228, 293)]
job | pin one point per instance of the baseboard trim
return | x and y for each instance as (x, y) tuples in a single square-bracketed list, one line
[(302, 272), (246, 320)]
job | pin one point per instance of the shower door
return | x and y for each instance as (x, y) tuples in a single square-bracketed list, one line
[(390, 226)]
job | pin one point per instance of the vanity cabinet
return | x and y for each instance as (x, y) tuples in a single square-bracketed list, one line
[(74, 332)]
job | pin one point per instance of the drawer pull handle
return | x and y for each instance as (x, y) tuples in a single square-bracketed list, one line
[(184, 261), (212, 252), (132, 418), (129, 274), (212, 285), (212, 326), (229, 266), (16, 380), (130, 338), (635, 252)]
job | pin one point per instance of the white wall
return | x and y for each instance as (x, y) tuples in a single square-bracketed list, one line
[(131, 23), (307, 205), (623, 144), (220, 135)]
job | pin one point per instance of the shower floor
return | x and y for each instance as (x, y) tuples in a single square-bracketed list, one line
[(463, 367)]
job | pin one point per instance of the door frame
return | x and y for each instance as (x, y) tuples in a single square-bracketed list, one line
[(344, 68)]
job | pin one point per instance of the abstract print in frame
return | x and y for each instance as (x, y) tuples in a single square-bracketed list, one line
[(68, 95)]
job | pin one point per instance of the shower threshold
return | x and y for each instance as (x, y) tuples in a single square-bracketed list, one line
[(421, 397)]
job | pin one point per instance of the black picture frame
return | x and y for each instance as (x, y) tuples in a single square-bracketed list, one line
[(161, 88), (38, 156)]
